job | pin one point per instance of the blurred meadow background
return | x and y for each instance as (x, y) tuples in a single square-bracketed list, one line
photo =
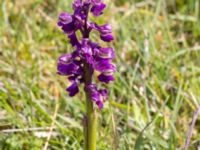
[(154, 96)]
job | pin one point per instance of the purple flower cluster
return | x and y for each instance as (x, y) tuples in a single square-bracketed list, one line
[(86, 53)]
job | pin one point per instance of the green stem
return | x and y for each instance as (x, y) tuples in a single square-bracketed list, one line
[(90, 120)]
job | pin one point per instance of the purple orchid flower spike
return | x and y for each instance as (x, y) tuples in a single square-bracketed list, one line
[(88, 57), (86, 52)]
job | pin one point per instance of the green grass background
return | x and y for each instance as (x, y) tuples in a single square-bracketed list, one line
[(151, 102)]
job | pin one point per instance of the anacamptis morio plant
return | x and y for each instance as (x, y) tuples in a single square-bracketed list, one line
[(88, 56)]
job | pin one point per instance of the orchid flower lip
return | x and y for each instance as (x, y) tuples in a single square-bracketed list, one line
[(100, 104), (73, 89), (106, 79), (107, 37)]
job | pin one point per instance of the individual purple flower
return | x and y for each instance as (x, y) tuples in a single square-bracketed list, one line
[(104, 29), (98, 96), (98, 9), (104, 66), (77, 4), (106, 78), (107, 37), (86, 54), (73, 89), (65, 18)]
